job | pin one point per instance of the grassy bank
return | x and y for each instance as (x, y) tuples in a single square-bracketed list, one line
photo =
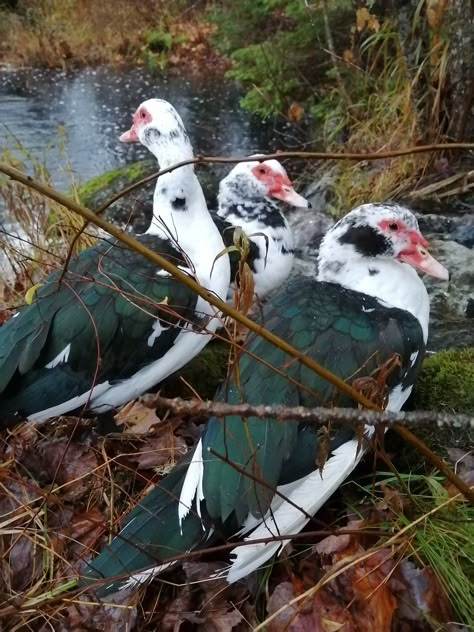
[(65, 33)]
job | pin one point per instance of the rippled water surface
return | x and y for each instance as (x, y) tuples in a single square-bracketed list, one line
[(86, 110)]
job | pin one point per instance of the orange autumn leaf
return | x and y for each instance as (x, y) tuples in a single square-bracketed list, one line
[(295, 112), (365, 19), (348, 56)]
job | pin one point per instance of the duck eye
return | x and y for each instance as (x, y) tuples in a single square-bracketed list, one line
[(393, 226), (262, 170), (142, 113)]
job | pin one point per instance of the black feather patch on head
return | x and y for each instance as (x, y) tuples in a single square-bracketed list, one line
[(367, 241), (179, 204)]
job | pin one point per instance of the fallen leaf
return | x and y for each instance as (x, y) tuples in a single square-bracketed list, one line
[(84, 531), (332, 544), (392, 500), (176, 611), (374, 601), (215, 611), (60, 462), (137, 418), (464, 463), (82, 617), (24, 561), (160, 451), (422, 596)]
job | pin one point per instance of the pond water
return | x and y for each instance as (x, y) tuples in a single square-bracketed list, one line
[(84, 111)]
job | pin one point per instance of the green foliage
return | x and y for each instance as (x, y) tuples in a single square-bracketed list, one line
[(270, 76), (447, 382), (276, 49), (158, 40)]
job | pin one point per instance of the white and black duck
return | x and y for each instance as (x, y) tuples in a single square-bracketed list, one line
[(116, 324), (367, 308), (253, 196)]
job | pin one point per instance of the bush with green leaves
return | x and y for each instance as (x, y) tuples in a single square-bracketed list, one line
[(278, 48)]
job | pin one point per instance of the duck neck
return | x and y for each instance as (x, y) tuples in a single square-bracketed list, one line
[(180, 215)]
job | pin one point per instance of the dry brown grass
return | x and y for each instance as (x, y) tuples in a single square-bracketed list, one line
[(58, 33), (390, 105), (35, 236)]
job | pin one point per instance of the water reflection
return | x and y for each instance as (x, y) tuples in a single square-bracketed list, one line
[(93, 106)]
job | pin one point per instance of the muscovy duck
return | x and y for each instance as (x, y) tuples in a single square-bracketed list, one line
[(250, 196), (116, 324), (366, 313)]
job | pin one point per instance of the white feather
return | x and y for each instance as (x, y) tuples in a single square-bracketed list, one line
[(309, 493), (156, 328), (71, 404), (143, 577), (62, 357), (192, 486)]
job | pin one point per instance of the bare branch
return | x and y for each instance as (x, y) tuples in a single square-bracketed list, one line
[(317, 416)]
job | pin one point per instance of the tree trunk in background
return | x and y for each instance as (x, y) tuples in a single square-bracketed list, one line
[(460, 30), (440, 21)]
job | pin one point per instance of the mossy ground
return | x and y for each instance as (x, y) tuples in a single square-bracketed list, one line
[(446, 382)]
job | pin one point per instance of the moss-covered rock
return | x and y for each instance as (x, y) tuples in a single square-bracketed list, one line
[(447, 382), (134, 210)]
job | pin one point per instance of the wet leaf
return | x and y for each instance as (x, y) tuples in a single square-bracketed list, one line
[(392, 500), (177, 610), (422, 595), (84, 531), (464, 464), (24, 562), (217, 614), (69, 464), (333, 544), (82, 617), (156, 452)]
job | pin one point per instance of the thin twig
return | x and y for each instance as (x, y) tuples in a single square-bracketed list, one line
[(317, 415)]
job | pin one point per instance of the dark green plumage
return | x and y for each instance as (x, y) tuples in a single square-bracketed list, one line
[(349, 333), (105, 307)]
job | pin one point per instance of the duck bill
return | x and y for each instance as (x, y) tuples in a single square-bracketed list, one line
[(288, 194), (420, 258), (129, 136)]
